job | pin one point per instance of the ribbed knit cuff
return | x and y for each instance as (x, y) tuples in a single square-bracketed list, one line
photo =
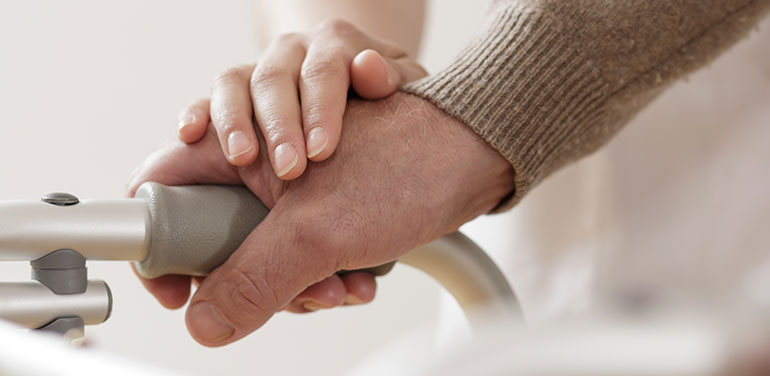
[(524, 90)]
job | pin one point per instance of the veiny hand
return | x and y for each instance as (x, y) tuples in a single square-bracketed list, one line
[(203, 163), (403, 174), (297, 93), (318, 68)]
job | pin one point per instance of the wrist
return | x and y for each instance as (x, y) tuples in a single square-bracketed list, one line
[(479, 177), (490, 177)]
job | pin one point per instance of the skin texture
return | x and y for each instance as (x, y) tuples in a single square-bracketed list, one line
[(310, 52), (297, 93), (271, 96), (316, 42), (315, 67), (411, 174)]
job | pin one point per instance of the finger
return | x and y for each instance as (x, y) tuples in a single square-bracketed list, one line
[(270, 268), (180, 164), (326, 294), (171, 291), (274, 92), (373, 76), (231, 114), (193, 121), (360, 287), (323, 84)]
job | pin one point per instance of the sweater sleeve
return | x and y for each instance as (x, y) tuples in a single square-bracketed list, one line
[(549, 81)]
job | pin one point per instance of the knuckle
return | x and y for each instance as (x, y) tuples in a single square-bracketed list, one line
[(287, 38), (274, 117), (318, 114), (266, 74), (337, 26), (328, 65), (251, 293), (228, 75), (277, 127), (225, 120)]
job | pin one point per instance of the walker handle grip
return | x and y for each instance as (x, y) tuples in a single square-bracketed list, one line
[(194, 229)]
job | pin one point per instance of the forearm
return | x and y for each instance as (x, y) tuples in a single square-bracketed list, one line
[(400, 21), (550, 81)]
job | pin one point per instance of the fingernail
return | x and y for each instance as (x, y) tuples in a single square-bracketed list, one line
[(208, 324), (238, 144), (352, 299), (184, 121), (317, 139), (285, 157), (312, 306)]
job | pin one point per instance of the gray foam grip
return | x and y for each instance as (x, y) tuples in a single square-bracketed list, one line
[(195, 228)]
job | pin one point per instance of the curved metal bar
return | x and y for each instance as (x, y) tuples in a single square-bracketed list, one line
[(467, 272)]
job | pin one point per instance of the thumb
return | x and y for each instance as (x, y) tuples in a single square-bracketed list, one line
[(374, 76), (269, 269)]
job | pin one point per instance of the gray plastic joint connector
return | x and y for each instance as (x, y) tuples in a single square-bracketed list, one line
[(63, 272)]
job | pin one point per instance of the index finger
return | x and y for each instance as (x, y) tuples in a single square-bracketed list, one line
[(180, 164)]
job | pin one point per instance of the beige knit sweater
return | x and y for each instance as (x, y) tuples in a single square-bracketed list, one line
[(549, 81)]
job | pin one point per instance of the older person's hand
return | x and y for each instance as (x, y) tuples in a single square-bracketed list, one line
[(301, 81), (404, 174)]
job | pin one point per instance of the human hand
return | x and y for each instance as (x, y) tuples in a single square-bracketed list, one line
[(411, 174), (370, 74), (203, 163), (297, 93)]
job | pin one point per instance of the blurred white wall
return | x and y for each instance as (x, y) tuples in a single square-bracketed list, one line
[(89, 88)]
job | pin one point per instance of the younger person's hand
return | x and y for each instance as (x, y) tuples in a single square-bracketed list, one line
[(297, 94)]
